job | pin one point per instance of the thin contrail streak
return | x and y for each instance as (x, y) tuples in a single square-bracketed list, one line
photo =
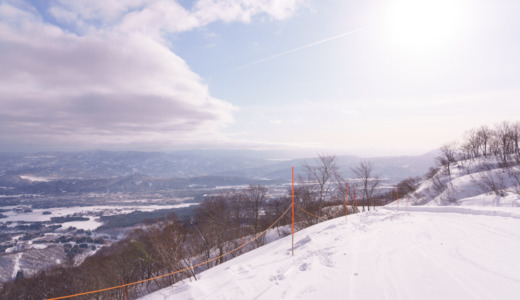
[(297, 49)]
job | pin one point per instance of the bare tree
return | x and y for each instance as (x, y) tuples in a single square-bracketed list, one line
[(169, 246), (472, 146), (319, 180), (408, 186), (514, 174), (477, 142), (305, 197), (369, 182), (212, 219), (484, 134), (515, 128), (506, 138), (448, 156), (276, 208), (491, 182), (254, 197)]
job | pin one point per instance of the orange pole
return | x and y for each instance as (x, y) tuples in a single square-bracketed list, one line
[(397, 194), (242, 242), (346, 203), (292, 225), (355, 199), (124, 288)]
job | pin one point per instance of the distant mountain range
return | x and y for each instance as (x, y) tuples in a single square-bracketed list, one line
[(95, 171)]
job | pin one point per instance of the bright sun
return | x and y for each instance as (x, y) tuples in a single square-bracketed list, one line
[(423, 26)]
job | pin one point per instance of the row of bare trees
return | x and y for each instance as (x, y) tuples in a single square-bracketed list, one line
[(322, 184), (498, 145), (501, 140), (221, 220)]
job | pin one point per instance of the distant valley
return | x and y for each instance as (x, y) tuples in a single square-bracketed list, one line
[(65, 206), (104, 171)]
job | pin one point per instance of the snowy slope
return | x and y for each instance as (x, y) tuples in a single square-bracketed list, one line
[(384, 254), (482, 182)]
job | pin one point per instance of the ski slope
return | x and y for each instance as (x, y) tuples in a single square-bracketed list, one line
[(383, 254)]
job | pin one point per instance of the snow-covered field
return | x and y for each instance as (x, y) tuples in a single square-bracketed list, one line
[(37, 214), (384, 254), (91, 224)]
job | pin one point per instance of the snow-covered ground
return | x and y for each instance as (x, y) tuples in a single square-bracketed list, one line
[(91, 224), (35, 178), (383, 254), (36, 215)]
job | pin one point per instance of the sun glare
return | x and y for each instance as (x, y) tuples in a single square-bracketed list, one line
[(423, 26)]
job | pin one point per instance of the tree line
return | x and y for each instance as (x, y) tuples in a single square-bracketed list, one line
[(501, 141), (489, 154)]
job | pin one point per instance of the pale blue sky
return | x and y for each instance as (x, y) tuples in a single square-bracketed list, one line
[(268, 74)]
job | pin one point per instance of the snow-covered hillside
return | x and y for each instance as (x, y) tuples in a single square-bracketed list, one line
[(481, 182), (383, 254)]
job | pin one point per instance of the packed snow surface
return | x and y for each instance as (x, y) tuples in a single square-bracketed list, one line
[(383, 254)]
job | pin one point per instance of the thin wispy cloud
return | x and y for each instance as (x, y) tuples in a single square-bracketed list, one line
[(298, 49)]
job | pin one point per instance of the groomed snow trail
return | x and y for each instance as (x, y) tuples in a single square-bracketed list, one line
[(381, 254)]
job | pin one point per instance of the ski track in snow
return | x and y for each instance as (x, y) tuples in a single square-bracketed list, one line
[(383, 254)]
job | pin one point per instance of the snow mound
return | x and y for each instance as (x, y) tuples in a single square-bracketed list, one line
[(383, 254)]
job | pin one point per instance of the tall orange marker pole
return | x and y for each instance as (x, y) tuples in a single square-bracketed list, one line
[(292, 226), (124, 288), (346, 203), (242, 242), (397, 195), (355, 199)]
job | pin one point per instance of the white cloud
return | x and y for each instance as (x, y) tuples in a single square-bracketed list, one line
[(243, 10), (98, 12), (113, 81), (154, 16), (57, 87)]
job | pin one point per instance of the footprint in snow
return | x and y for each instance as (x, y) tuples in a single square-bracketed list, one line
[(305, 267), (239, 269), (277, 277)]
